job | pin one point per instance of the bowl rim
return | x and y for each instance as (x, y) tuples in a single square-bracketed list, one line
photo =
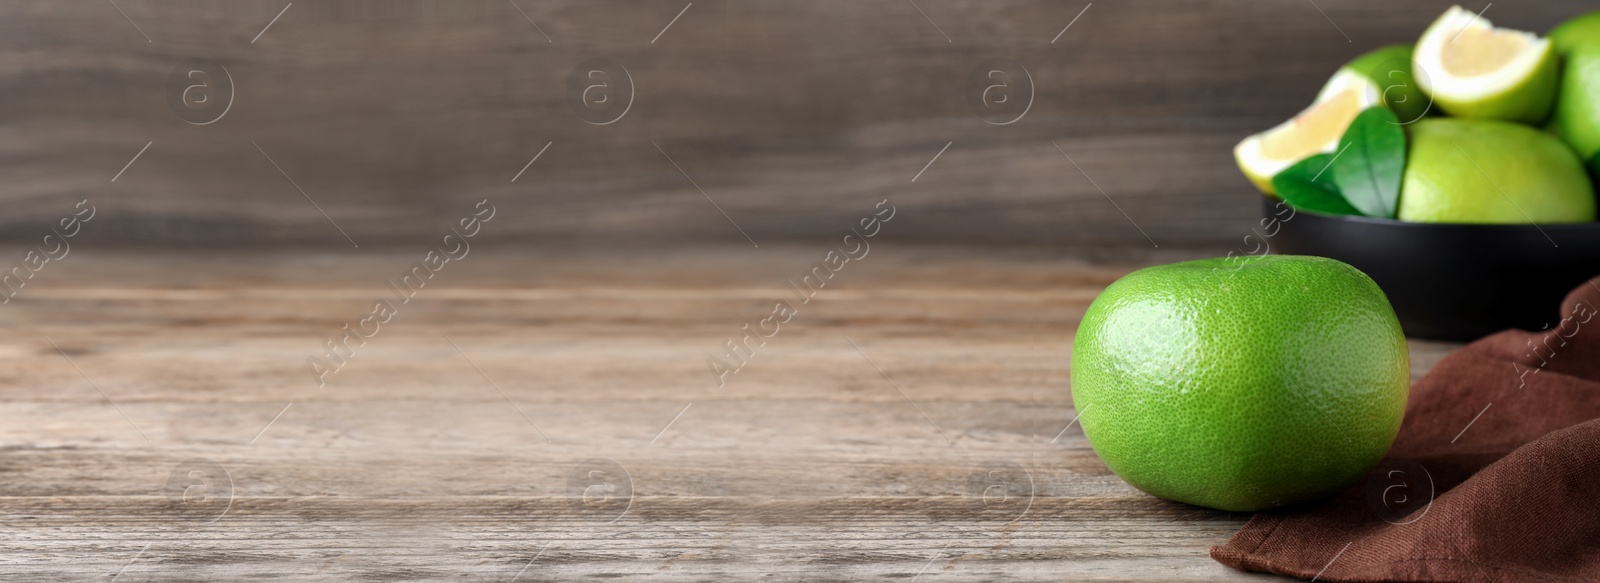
[(1587, 225)]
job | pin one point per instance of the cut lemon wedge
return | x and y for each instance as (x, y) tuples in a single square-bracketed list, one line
[(1313, 131), (1473, 70)]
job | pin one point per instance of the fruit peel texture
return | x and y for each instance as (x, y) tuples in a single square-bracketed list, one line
[(1577, 115), (1243, 384), (1389, 68), (1486, 171)]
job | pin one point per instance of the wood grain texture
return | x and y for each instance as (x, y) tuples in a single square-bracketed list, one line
[(788, 114), (423, 462)]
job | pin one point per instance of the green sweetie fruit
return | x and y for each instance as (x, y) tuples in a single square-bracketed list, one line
[(1582, 30), (1474, 70), (1241, 383), (1577, 113), (1381, 76), (1315, 130), (1389, 68), (1482, 171)]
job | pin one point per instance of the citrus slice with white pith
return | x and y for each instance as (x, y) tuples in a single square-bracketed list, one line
[(1473, 70), (1313, 131)]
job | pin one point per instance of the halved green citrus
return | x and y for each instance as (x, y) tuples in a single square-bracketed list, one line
[(1474, 70), (1313, 131), (1241, 383)]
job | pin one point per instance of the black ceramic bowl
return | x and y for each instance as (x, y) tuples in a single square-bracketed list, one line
[(1446, 281)]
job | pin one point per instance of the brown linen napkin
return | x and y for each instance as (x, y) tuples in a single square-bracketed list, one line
[(1495, 475)]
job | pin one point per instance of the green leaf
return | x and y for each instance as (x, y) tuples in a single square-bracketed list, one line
[(1594, 165), (1309, 185), (1371, 161)]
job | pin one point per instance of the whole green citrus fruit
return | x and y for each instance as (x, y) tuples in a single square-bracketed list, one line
[(1485, 171), (1577, 115), (1241, 383), (1578, 31)]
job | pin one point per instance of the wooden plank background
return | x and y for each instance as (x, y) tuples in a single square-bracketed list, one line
[(393, 115), (458, 444)]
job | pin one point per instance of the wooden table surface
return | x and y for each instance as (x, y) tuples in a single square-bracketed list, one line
[(546, 412)]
